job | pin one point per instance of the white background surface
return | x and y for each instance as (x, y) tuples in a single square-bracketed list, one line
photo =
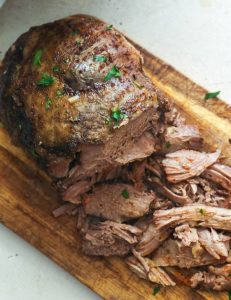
[(194, 36)]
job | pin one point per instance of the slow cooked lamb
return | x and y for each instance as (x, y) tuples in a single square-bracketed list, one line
[(124, 161)]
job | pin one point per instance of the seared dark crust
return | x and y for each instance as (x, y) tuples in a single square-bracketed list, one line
[(65, 125)]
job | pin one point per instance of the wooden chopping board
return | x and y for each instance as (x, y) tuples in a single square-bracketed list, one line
[(27, 198)]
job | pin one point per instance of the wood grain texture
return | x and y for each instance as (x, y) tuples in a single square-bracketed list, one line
[(27, 198)]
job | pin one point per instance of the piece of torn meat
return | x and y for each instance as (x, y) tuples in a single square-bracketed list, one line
[(183, 136), (76, 190), (202, 191), (184, 164), (109, 238), (151, 239), (217, 244), (146, 270), (156, 185), (117, 202), (219, 174), (173, 253), (216, 278), (202, 215), (67, 208), (186, 234), (224, 270)]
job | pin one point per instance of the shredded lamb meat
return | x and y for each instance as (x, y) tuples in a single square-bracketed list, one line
[(110, 238), (202, 191), (174, 253), (186, 234), (127, 165), (216, 278), (184, 164), (147, 270), (219, 174), (182, 136), (151, 239), (202, 215)]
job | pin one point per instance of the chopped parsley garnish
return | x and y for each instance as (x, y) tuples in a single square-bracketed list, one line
[(116, 117), (20, 126), (99, 58), (212, 95), (46, 80), (168, 144), (125, 193), (78, 42), (109, 27), (202, 212), (114, 72), (76, 31), (37, 58), (56, 69), (59, 93), (48, 103), (156, 290), (138, 85), (229, 295), (1, 125)]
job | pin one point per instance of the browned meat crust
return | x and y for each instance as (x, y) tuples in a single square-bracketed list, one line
[(70, 45)]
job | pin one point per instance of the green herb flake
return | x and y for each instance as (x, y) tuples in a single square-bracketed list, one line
[(229, 295), (109, 27), (114, 72), (117, 116), (48, 103), (59, 93), (1, 125), (100, 58), (46, 80), (125, 193), (56, 69), (202, 211), (76, 31), (167, 144), (20, 126), (37, 58), (211, 95), (138, 85), (156, 290)]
